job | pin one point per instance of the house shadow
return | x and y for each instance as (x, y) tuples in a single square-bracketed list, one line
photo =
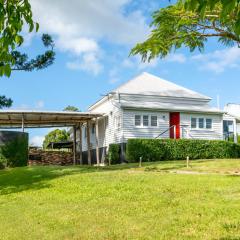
[(29, 178), (37, 177)]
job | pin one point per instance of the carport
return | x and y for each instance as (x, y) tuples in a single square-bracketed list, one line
[(13, 119)]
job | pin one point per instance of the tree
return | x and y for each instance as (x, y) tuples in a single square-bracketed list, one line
[(70, 108), (21, 62), (5, 102), (227, 8), (185, 24), (56, 135), (14, 14)]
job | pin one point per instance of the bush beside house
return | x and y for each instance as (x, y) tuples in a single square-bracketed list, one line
[(14, 153), (114, 154), (3, 161), (169, 149)]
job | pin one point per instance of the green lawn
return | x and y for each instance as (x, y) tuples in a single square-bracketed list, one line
[(122, 202)]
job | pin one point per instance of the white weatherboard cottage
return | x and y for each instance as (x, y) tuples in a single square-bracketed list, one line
[(150, 107), (231, 121)]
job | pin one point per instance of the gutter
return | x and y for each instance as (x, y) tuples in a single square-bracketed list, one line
[(173, 110)]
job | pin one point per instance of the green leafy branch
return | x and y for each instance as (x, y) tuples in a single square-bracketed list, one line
[(177, 26)]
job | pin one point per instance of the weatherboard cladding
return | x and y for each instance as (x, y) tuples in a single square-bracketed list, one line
[(216, 133), (131, 131), (108, 133), (150, 95)]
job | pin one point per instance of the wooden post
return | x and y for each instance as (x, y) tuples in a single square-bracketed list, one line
[(187, 161), (140, 162), (104, 142), (174, 131), (74, 145), (80, 144), (88, 143), (22, 123), (97, 142)]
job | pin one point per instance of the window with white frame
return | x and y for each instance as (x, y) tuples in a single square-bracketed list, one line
[(208, 123), (201, 123), (154, 121), (145, 120), (193, 123), (137, 120)]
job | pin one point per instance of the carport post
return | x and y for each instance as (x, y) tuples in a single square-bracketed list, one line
[(80, 143), (88, 143), (22, 123), (74, 145), (97, 143)]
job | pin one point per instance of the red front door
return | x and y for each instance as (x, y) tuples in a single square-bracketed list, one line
[(174, 120)]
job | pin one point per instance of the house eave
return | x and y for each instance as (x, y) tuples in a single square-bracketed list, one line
[(99, 102), (174, 110), (111, 94), (206, 99)]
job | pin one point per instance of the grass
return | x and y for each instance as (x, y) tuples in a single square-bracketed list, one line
[(122, 202), (225, 166)]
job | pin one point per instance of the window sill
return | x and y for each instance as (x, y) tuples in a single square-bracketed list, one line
[(146, 127), (202, 129)]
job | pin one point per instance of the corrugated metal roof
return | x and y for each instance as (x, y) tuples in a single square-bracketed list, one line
[(149, 84), (33, 118)]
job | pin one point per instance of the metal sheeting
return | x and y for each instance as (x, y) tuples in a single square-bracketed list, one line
[(37, 119)]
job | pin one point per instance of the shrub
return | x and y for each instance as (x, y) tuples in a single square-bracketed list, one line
[(113, 154), (16, 151), (238, 138), (3, 161), (170, 149)]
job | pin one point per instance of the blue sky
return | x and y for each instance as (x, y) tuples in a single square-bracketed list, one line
[(93, 40)]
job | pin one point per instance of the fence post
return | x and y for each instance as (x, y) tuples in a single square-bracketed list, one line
[(140, 162), (187, 161)]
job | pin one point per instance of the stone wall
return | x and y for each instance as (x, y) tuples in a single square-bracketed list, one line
[(41, 157)]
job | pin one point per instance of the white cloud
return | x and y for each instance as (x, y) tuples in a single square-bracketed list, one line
[(136, 62), (176, 57), (113, 80), (77, 46), (79, 26), (89, 63), (113, 76), (95, 19), (220, 60), (152, 64), (36, 141), (39, 104), (128, 63), (22, 106)]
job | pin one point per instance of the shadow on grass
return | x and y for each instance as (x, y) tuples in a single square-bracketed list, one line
[(164, 168), (37, 177)]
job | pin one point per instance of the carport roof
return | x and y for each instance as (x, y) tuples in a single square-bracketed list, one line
[(37, 119)]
